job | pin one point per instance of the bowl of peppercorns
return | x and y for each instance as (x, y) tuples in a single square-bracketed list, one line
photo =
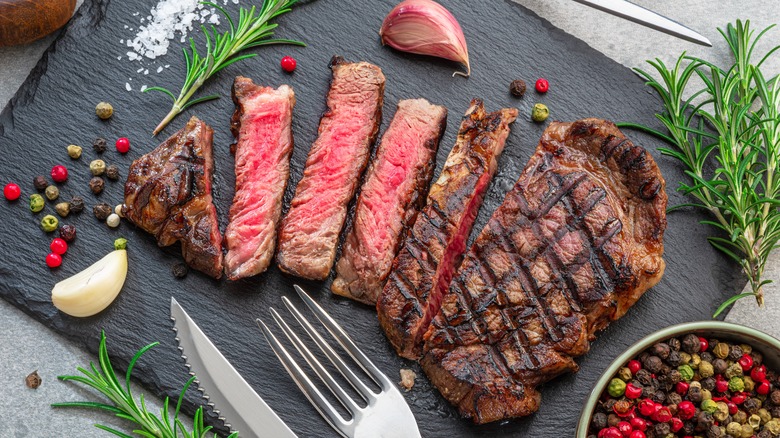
[(702, 379)]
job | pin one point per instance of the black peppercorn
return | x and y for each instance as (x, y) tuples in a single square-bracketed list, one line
[(673, 398), (706, 356), (33, 380), (609, 404), (102, 211), (99, 145), (719, 366), (644, 376), (599, 421), (659, 396), (40, 183), (674, 344), (68, 233), (757, 358), (694, 394), (653, 364), (763, 434), (517, 88), (774, 397), (713, 432), (675, 377), (775, 412), (180, 270), (751, 405), (76, 204), (691, 344), (661, 429), (708, 384), (735, 353), (661, 350), (674, 358), (97, 184), (112, 172), (704, 420), (613, 420)]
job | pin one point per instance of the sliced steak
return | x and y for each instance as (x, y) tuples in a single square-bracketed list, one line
[(432, 250), (264, 141), (575, 243), (393, 192), (310, 230), (168, 194)]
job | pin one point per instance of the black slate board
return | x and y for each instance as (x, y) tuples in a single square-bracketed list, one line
[(54, 108)]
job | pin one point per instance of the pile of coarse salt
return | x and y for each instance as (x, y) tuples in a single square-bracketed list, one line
[(167, 20)]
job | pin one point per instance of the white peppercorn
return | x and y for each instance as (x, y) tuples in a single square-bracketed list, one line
[(113, 220)]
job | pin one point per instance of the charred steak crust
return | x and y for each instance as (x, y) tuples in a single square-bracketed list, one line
[(575, 243), (310, 230), (393, 193), (168, 194), (262, 126), (432, 249)]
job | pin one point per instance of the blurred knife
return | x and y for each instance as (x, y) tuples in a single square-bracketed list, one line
[(648, 18), (236, 403)]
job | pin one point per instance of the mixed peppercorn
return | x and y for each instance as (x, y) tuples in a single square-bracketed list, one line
[(691, 387)]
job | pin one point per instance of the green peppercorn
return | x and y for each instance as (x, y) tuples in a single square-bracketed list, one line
[(764, 415), (616, 387), (625, 374), (36, 203), (97, 167), (749, 383), (736, 384), (740, 417), (709, 406), (686, 372), (706, 394), (104, 110), (746, 349), (773, 426), (734, 429), (722, 413), (540, 113), (120, 243), (734, 370), (52, 193), (49, 223), (721, 350), (695, 361), (706, 370), (685, 358), (754, 421), (62, 209), (747, 431), (74, 151)]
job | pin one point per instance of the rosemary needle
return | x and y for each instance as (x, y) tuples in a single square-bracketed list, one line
[(254, 29)]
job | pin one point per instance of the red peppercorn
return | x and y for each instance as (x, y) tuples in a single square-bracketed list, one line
[(686, 410), (625, 428), (639, 423), (634, 366), (676, 424), (721, 385), (733, 408), (633, 392), (746, 362), (288, 64), (704, 344), (12, 192), (637, 434), (758, 373), (647, 407), (542, 85), (59, 173), (122, 145), (738, 398), (682, 388), (663, 415), (53, 260), (763, 388), (59, 246), (610, 432)]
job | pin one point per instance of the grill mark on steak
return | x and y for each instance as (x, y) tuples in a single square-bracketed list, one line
[(392, 194), (262, 126), (168, 194), (574, 244), (310, 230), (423, 268)]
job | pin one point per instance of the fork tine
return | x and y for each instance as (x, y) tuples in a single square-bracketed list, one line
[(315, 364), (346, 342), (304, 384), (335, 359)]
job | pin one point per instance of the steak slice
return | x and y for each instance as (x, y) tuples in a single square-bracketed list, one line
[(432, 250), (310, 230), (575, 243), (264, 142), (168, 194), (393, 193)]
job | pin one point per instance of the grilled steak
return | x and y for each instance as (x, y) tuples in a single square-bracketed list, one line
[(168, 194), (264, 141), (310, 230), (432, 250), (575, 243), (393, 193)]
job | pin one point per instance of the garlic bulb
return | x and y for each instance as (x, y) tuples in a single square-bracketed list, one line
[(93, 289), (425, 27)]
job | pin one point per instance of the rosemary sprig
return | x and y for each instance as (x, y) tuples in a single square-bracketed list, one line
[(727, 136), (125, 406), (254, 29)]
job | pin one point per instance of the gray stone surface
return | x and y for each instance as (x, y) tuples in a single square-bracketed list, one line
[(26, 345)]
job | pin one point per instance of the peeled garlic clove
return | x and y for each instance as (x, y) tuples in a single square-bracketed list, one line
[(93, 289), (425, 27)]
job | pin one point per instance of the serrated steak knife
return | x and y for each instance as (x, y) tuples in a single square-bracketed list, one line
[(236, 403)]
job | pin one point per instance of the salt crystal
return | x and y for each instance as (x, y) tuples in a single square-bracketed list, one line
[(159, 69), (143, 88), (146, 72), (128, 87), (139, 70)]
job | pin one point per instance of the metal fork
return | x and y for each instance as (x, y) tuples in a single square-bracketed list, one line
[(386, 413)]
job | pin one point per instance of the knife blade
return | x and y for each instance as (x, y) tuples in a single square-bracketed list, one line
[(646, 17), (237, 404)]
